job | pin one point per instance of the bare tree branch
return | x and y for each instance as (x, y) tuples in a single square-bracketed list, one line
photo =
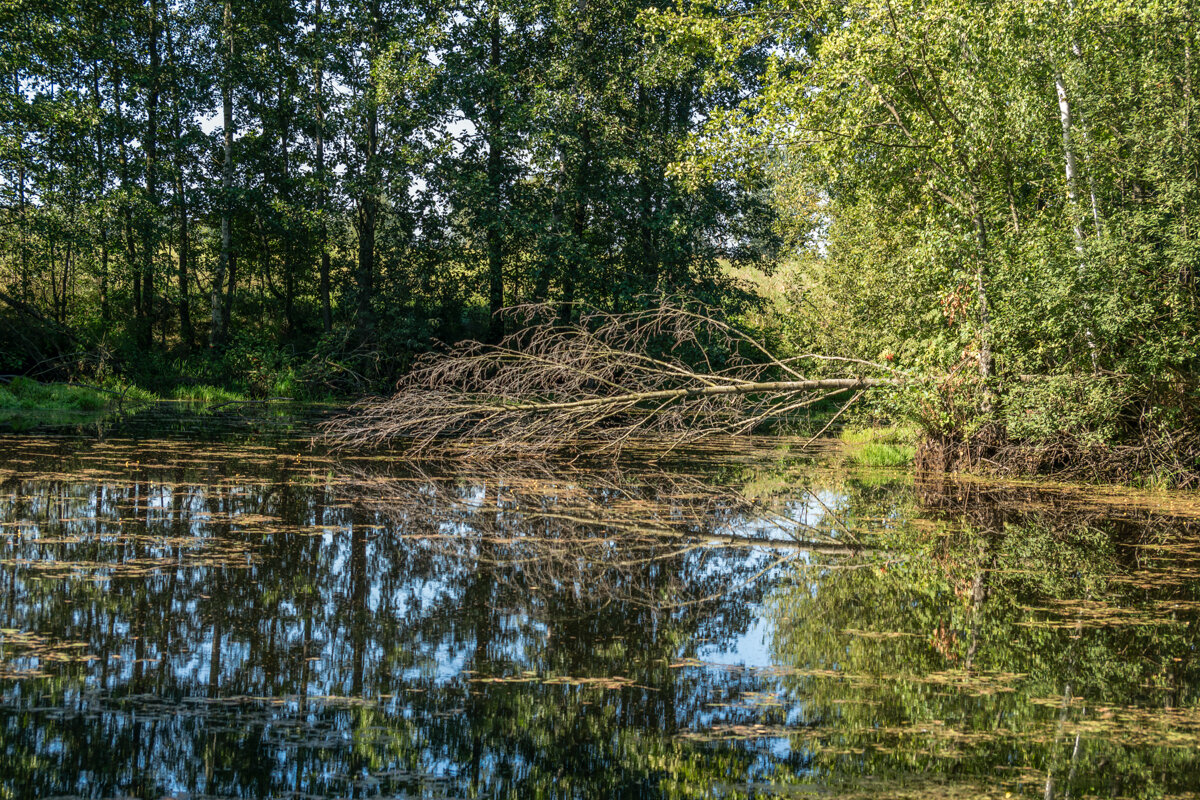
[(673, 373)]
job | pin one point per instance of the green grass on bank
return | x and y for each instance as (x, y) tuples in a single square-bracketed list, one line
[(881, 446), (25, 398), (25, 394), (208, 395)]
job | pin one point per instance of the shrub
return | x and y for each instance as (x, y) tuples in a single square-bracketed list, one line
[(1083, 409)]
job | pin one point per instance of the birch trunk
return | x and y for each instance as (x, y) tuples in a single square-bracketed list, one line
[(981, 296), (1072, 174)]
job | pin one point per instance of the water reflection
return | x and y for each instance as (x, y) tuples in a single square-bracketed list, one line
[(247, 619)]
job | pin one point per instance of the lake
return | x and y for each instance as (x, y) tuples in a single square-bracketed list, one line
[(188, 610)]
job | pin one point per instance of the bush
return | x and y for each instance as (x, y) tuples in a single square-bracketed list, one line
[(1083, 409)]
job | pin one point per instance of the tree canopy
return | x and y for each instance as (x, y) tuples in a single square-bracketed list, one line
[(1004, 187), (291, 180)]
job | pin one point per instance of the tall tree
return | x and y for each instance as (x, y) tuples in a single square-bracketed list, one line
[(147, 311), (318, 49), (225, 265)]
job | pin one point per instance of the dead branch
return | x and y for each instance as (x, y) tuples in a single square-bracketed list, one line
[(670, 373)]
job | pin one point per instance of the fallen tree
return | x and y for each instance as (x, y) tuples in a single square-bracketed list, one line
[(671, 373), (653, 380)]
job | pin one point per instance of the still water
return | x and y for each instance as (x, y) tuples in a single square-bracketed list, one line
[(198, 616)]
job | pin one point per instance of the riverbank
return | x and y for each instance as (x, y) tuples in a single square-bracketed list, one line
[(26, 403)]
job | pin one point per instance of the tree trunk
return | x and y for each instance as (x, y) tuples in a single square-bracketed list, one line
[(220, 306), (102, 180), (495, 176), (230, 288), (288, 244), (323, 233), (150, 228), (578, 250), (1073, 207), (368, 205), (126, 211), (186, 333), (65, 294), (985, 314), (756, 387), (648, 178), (22, 206), (552, 256)]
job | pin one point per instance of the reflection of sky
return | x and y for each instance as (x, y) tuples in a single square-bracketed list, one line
[(420, 649), (749, 649)]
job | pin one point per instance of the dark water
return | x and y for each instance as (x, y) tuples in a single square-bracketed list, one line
[(184, 617)]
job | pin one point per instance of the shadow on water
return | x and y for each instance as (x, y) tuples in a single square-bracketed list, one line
[(215, 616)]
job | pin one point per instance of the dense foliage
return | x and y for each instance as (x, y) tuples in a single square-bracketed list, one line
[(314, 192), (997, 192)]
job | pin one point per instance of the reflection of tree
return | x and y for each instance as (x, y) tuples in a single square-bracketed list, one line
[(1043, 636), (572, 530), (267, 627)]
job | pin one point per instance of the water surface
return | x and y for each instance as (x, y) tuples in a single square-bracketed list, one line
[(242, 616)]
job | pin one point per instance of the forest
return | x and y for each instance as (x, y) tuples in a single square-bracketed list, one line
[(991, 204), (204, 186)]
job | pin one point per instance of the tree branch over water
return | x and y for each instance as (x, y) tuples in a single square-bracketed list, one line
[(669, 373)]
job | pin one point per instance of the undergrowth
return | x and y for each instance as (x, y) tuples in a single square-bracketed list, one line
[(25, 394), (24, 397), (892, 445)]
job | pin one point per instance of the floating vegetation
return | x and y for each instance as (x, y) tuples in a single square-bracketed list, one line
[(24, 654), (613, 682)]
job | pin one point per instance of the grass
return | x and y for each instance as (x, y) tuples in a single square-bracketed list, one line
[(206, 394), (884, 455), (881, 446), (25, 394), (25, 402)]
